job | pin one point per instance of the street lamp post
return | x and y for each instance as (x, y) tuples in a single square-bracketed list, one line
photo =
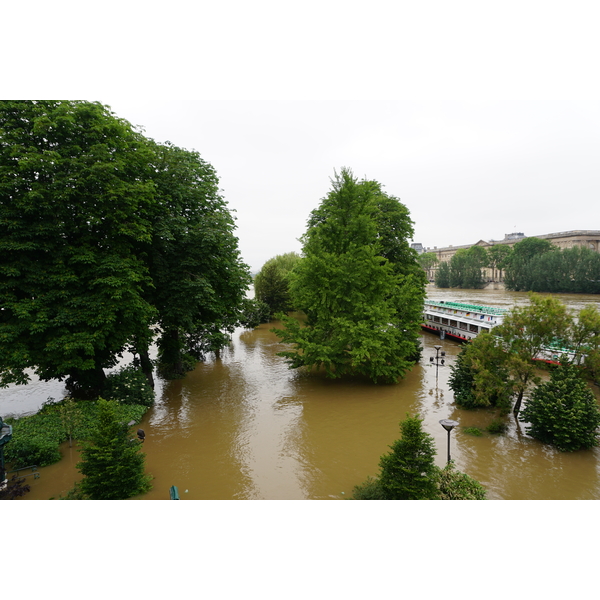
[(438, 360), (448, 425)]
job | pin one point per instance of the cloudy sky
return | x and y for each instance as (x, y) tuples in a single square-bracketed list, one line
[(481, 117)]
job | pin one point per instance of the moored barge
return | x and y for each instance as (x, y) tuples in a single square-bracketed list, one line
[(458, 320)]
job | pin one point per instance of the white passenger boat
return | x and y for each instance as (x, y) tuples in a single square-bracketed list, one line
[(458, 320)]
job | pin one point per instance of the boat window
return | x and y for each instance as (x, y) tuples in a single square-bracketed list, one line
[(473, 328), (436, 319), (452, 323), (462, 325)]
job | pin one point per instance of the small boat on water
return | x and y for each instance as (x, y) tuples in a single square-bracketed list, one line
[(458, 320)]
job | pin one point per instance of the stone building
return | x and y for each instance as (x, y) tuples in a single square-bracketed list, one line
[(562, 239)]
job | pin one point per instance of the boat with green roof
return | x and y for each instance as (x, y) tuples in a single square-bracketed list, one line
[(459, 320)]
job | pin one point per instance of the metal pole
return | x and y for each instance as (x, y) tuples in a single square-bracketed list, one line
[(449, 430)]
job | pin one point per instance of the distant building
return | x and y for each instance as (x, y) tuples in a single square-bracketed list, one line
[(563, 239), (418, 247)]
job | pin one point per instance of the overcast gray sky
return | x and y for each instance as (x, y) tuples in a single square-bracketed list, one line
[(481, 117)]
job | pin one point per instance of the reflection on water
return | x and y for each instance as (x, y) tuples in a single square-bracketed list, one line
[(246, 427)]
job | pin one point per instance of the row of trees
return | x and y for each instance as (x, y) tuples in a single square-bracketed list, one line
[(539, 266), (358, 284), (497, 370), (106, 238), (532, 264)]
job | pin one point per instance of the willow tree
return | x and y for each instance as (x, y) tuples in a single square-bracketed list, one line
[(359, 284)]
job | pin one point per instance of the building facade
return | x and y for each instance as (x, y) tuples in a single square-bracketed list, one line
[(564, 239)]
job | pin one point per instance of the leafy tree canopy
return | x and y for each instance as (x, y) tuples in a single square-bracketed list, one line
[(104, 234), (563, 411), (271, 284), (359, 284)]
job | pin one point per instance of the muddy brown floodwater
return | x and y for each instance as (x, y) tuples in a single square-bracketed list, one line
[(247, 427)]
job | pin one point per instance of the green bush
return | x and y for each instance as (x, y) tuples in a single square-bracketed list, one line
[(36, 438), (454, 485), (368, 490), (497, 426), (473, 431), (129, 386), (563, 411)]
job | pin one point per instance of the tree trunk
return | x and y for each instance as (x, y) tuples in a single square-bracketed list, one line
[(147, 367), (517, 407)]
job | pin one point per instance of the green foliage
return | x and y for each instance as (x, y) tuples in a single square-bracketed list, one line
[(473, 431), (442, 275), (129, 386), (36, 438), (370, 489), (563, 411), (479, 377), (407, 472), (272, 283), (525, 332), (518, 269), (497, 426), (105, 234), (359, 285), (254, 313), (428, 260), (112, 463), (465, 269), (454, 485)]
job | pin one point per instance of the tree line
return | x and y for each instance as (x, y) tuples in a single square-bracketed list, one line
[(532, 264), (108, 241)]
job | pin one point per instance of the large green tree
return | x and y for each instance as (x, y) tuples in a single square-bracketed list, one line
[(518, 272), (199, 279), (359, 284), (76, 202), (271, 284), (105, 235)]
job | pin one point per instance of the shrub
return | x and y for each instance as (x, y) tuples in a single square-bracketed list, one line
[(129, 386), (36, 438), (454, 485), (370, 489), (473, 431), (497, 426), (563, 411)]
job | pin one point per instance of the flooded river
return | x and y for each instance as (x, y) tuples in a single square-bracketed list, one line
[(246, 427)]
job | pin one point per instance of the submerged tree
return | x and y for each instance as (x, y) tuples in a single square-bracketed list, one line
[(272, 282), (359, 284), (104, 235), (408, 471), (563, 411), (480, 377), (112, 463)]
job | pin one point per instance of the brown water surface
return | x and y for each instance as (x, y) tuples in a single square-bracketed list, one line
[(246, 427)]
